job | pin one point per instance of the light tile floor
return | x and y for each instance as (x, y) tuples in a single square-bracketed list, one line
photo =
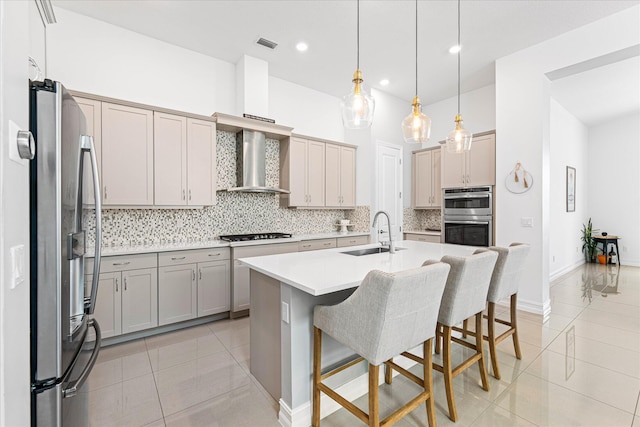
[(580, 368)]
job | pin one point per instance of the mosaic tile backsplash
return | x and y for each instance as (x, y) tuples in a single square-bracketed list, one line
[(234, 213), (421, 219)]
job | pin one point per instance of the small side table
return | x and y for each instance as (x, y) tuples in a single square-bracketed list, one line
[(605, 240)]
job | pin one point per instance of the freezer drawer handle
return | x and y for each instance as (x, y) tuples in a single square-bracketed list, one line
[(175, 258), (216, 254), (122, 263), (77, 384)]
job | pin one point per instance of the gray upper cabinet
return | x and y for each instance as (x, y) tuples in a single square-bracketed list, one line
[(170, 159), (201, 162), (92, 110), (302, 171), (127, 155), (473, 168), (340, 176), (427, 191)]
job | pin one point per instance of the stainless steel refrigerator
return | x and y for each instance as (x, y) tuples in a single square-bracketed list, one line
[(61, 354)]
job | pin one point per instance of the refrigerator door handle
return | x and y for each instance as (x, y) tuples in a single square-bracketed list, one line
[(87, 145), (72, 390)]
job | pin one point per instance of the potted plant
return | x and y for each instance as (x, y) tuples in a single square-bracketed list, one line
[(588, 242)]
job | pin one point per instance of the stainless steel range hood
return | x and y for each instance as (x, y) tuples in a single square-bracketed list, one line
[(251, 163)]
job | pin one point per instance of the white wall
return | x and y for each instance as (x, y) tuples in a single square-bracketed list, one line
[(14, 215), (614, 183), (568, 147), (523, 129), (92, 56)]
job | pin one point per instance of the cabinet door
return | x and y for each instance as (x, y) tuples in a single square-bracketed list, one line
[(422, 179), (108, 311), (213, 287), (201, 164), (241, 287), (298, 172), (170, 159), (177, 293), (453, 172), (332, 175), (481, 161), (139, 299), (127, 155), (436, 167), (347, 177), (315, 173), (92, 110)]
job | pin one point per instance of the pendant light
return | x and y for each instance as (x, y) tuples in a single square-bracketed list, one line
[(416, 127), (358, 106), (459, 139)]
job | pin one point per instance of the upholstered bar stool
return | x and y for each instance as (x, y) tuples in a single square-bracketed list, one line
[(386, 315), (504, 283), (465, 295)]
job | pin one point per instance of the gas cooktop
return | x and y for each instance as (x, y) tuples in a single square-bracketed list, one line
[(257, 236)]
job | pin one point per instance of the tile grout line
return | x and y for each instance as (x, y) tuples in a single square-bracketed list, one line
[(155, 382)]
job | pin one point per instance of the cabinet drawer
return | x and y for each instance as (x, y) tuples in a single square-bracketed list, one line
[(422, 237), (313, 245), (123, 263), (192, 256), (352, 241), (262, 250)]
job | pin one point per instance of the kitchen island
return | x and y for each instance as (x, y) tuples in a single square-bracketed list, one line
[(284, 290)]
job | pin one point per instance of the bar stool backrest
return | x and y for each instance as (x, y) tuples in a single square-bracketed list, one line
[(388, 313), (467, 285), (506, 274)]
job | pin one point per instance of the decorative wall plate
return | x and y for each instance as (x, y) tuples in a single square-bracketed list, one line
[(518, 180)]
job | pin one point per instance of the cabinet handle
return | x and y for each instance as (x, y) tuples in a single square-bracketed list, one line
[(327, 244), (105, 191), (194, 275), (116, 285), (122, 263), (189, 194), (177, 258), (352, 241), (183, 195), (306, 246), (200, 274), (125, 283), (218, 254)]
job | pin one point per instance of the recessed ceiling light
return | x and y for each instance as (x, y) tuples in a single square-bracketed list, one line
[(384, 82), (455, 49), (302, 46)]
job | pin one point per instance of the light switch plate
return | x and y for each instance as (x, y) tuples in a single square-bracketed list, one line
[(526, 221), (17, 266)]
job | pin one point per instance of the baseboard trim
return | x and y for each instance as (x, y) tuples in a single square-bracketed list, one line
[(557, 274)]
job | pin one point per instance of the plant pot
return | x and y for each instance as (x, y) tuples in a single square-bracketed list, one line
[(602, 259)]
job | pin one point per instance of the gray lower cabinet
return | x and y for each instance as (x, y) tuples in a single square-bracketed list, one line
[(127, 299), (192, 283), (422, 237)]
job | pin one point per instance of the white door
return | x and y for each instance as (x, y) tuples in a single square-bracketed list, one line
[(389, 190)]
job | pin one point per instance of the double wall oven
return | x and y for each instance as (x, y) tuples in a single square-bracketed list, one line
[(468, 216)]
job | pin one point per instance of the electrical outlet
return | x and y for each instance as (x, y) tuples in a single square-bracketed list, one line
[(554, 258), (285, 312), (179, 223), (576, 249), (624, 248)]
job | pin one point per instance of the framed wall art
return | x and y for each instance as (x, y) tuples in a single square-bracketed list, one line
[(571, 189)]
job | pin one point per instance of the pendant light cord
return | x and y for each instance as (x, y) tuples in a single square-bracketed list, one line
[(416, 47), (459, 49), (358, 39)]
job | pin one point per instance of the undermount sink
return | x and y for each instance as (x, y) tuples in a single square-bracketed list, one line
[(370, 251)]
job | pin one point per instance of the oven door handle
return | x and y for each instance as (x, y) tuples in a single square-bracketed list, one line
[(467, 222), (468, 196)]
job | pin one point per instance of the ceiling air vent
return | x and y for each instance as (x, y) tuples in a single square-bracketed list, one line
[(267, 43)]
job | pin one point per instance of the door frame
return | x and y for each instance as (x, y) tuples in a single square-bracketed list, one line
[(375, 202)]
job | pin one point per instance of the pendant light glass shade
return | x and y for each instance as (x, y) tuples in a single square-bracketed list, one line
[(416, 127), (459, 139), (358, 106)]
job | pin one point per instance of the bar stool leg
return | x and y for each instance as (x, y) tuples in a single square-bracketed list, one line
[(388, 372), (428, 382), (374, 414), (480, 349), (514, 325), (438, 338), (491, 332), (465, 325), (317, 353), (448, 375)]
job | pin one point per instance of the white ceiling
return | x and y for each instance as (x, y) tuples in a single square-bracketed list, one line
[(229, 29)]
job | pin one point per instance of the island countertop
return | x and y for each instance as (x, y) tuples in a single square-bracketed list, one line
[(323, 272)]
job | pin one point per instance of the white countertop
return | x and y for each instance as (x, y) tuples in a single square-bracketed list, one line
[(426, 232), (205, 244), (329, 270)]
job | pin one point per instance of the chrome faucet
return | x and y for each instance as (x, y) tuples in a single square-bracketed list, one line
[(392, 248)]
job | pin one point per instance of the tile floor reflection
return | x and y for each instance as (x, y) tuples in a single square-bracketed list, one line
[(580, 368)]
